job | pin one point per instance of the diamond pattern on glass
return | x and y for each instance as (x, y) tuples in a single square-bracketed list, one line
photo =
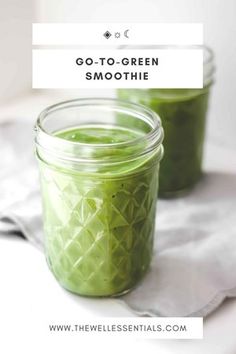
[(99, 233)]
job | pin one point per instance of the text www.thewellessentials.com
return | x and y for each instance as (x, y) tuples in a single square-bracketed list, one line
[(138, 328)]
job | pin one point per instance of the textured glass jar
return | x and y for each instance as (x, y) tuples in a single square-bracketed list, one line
[(99, 197), (183, 114)]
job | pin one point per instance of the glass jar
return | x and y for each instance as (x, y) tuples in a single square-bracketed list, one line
[(183, 115), (98, 159)]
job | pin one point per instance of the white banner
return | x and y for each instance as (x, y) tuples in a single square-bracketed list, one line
[(123, 68), (117, 34)]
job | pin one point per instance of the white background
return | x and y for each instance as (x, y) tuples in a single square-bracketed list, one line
[(218, 17), (15, 48)]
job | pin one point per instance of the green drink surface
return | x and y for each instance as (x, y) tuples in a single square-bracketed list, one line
[(99, 135), (103, 143), (99, 229)]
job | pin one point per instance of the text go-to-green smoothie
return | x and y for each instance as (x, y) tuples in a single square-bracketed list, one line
[(99, 159)]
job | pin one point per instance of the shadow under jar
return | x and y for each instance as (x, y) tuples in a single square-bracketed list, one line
[(183, 114), (98, 161)]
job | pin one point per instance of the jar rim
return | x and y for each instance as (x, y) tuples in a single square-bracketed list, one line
[(208, 58), (209, 52), (79, 102), (50, 142)]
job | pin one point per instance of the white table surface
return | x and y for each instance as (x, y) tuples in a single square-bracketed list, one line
[(30, 297)]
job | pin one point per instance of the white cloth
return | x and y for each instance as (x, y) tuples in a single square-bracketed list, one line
[(195, 247)]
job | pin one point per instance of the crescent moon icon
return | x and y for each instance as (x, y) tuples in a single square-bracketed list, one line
[(126, 33)]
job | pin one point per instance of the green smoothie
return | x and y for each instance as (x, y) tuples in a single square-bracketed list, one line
[(183, 114), (99, 224)]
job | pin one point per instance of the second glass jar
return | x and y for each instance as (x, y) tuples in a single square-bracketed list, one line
[(183, 113)]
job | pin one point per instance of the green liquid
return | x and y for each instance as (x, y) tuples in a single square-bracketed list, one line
[(99, 135), (183, 115), (99, 226)]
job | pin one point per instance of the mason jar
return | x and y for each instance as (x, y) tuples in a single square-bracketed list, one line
[(99, 162), (183, 114)]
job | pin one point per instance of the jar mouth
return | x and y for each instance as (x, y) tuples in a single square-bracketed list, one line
[(208, 58), (143, 110), (57, 118)]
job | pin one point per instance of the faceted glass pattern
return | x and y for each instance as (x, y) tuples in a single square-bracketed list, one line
[(99, 231)]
